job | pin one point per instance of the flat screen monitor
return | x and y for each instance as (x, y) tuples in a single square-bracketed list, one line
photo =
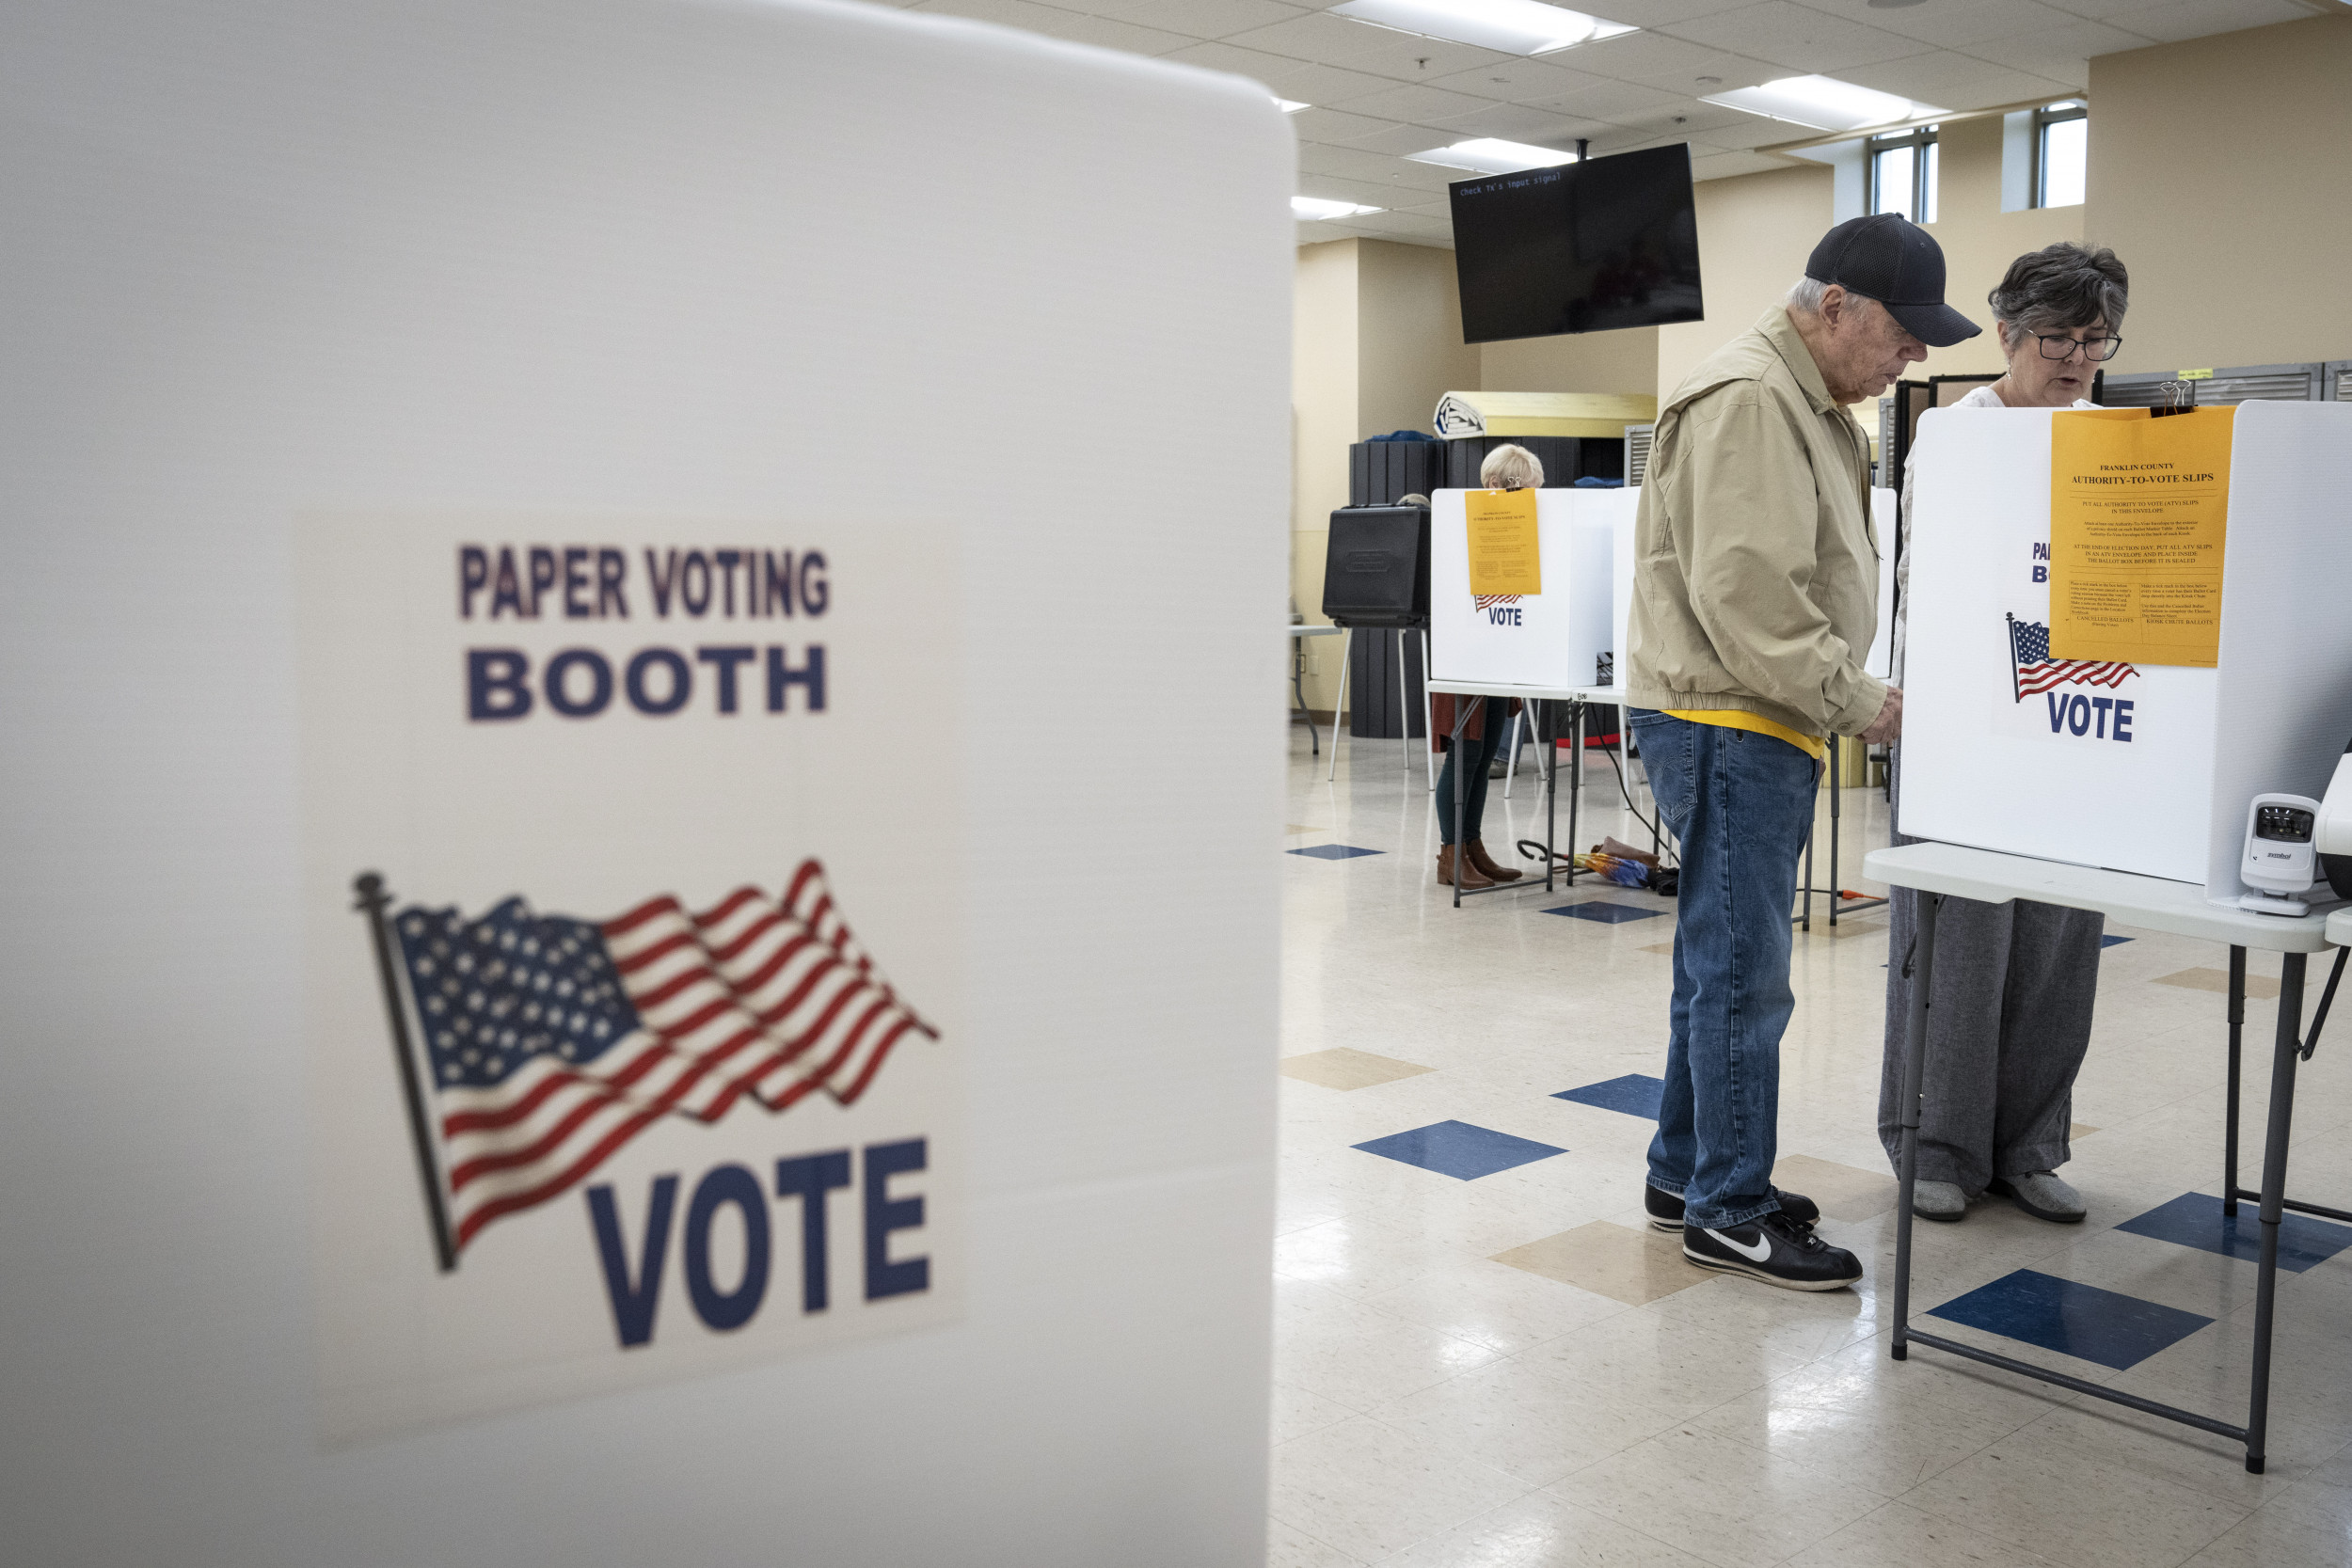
[(1581, 247)]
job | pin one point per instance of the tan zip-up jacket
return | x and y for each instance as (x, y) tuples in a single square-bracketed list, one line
[(1756, 573)]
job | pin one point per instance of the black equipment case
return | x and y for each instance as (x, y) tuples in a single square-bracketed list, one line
[(1375, 572)]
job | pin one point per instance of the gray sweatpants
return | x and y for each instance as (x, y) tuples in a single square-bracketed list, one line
[(2007, 1024)]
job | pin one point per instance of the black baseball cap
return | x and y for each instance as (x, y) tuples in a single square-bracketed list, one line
[(1897, 264)]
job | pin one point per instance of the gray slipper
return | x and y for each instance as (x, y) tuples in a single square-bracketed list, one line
[(2041, 1193), (1941, 1201)]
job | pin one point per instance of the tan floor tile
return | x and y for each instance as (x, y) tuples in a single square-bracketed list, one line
[(2218, 979), (1507, 1310), (2079, 1130), (1900, 1533), (1343, 1067), (1541, 1532), (1844, 1192), (1636, 1267), (1664, 949)]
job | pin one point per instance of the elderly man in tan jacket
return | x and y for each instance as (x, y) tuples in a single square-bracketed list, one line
[(1755, 599)]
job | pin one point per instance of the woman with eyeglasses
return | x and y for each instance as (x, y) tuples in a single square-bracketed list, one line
[(2009, 1019)]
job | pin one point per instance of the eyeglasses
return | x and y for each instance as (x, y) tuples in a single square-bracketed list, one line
[(2094, 349)]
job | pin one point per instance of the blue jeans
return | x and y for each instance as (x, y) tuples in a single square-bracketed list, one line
[(1739, 804)]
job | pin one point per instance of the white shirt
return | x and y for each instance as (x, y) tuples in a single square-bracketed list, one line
[(1982, 397)]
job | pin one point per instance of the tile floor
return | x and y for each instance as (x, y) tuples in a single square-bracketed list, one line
[(1484, 1359)]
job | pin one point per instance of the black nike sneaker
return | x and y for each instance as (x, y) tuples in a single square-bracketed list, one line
[(1774, 1249), (1665, 1210)]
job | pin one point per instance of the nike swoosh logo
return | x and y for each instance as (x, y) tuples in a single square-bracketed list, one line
[(1756, 1254)]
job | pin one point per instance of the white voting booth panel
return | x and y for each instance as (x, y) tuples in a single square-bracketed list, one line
[(1884, 517), (1549, 639), (1986, 766), (555, 458), (1883, 514)]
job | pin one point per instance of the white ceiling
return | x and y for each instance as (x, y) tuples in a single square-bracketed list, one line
[(1379, 94)]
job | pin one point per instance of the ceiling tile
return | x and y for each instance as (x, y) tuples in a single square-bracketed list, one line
[(1660, 13), (1401, 139), (1255, 64), (1613, 102), (1329, 125), (1723, 165), (1323, 84), (1755, 131), (1952, 24), (1638, 58), (1516, 81), (1521, 122), (1656, 59), (2060, 54), (1200, 19), (1419, 105), (1325, 40), (1404, 226), (1691, 122), (1405, 182), (1990, 89), (1803, 39), (1410, 58), (1007, 13), (2181, 19), (1364, 193), (1109, 33)]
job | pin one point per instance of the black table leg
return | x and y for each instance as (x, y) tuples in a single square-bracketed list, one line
[(2237, 1033), (2284, 1054), (1914, 1068), (1552, 793)]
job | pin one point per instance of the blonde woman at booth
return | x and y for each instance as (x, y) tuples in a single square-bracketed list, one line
[(1506, 468), (2014, 982)]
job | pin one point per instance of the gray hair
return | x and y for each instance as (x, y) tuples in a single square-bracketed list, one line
[(1511, 467), (2058, 289), (1805, 295)]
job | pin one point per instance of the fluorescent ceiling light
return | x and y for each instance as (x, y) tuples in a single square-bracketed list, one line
[(1823, 104), (1315, 208), (1510, 26), (1289, 108), (1485, 155)]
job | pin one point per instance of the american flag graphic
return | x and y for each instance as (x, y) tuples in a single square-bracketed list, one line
[(1487, 601), (2037, 672), (551, 1042)]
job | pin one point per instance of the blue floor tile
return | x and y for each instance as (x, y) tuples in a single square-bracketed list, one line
[(1458, 1150), (2195, 1219), (1633, 1094), (2112, 940), (1612, 914), (1334, 852), (2081, 1320)]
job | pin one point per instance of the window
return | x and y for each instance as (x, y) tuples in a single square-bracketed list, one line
[(1903, 174), (2061, 135)]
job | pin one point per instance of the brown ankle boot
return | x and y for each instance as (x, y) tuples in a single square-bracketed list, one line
[(1472, 878), (1483, 862)]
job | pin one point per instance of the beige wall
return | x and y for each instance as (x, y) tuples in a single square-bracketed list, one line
[(1755, 232), (1324, 416), (1621, 361), (2222, 173), (1979, 240), (1408, 336)]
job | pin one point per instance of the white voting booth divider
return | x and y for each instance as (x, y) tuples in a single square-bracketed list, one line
[(1882, 516), (2037, 774), (560, 459), (1552, 639)]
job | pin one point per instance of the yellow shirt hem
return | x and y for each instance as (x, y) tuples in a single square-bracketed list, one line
[(1741, 719)]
